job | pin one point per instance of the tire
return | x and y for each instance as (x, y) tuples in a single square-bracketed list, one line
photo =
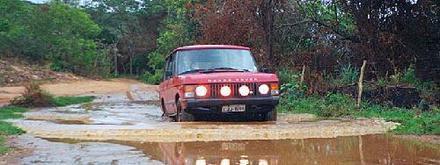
[(162, 106), (271, 116), (181, 115)]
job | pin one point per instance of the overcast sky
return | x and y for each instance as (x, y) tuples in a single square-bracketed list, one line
[(38, 1)]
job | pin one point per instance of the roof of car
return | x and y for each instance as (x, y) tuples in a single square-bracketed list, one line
[(196, 47)]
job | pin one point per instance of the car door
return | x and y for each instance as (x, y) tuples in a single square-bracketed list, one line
[(168, 85)]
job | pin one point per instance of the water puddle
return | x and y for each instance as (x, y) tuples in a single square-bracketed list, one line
[(371, 149)]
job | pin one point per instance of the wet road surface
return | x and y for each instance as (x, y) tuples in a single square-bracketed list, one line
[(127, 128), (367, 149), (370, 149), (126, 121)]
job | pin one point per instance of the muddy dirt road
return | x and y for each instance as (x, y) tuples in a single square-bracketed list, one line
[(126, 127)]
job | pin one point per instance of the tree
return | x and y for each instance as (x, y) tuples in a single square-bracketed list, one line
[(395, 34), (54, 33), (129, 28), (14, 15), (175, 30)]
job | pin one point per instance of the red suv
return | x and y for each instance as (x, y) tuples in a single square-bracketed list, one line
[(220, 80)]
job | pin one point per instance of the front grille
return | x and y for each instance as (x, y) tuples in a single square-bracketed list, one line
[(215, 89)]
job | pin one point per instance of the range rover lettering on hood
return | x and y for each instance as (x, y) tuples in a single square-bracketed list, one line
[(232, 80)]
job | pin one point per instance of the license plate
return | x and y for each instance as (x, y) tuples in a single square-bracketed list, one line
[(233, 146), (234, 108)]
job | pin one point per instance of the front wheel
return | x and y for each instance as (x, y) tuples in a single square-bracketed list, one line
[(181, 115), (271, 116)]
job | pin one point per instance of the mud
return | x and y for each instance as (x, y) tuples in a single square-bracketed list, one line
[(46, 152), (127, 127), (129, 121)]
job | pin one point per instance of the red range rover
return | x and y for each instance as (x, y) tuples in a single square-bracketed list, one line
[(219, 80)]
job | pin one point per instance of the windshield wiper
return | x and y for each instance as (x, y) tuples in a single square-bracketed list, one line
[(195, 71), (225, 69), (214, 70)]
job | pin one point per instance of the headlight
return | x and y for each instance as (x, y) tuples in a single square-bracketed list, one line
[(244, 90), (225, 91), (201, 91), (263, 89)]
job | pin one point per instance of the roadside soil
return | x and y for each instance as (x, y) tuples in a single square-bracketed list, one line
[(80, 87), (17, 72)]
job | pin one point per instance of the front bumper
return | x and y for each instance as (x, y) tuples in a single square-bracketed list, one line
[(213, 106)]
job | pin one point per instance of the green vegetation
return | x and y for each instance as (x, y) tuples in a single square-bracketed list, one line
[(70, 100), (348, 75), (412, 121), (176, 31), (108, 37), (55, 32), (11, 112), (6, 128), (334, 105)]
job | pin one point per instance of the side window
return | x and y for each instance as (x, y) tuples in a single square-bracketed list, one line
[(169, 68)]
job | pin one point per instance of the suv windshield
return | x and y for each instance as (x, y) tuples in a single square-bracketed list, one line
[(215, 59)]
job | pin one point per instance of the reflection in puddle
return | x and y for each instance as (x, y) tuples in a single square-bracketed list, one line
[(343, 150)]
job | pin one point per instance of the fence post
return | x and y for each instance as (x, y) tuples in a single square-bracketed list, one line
[(360, 86), (302, 74)]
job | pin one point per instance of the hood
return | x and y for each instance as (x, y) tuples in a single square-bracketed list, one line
[(227, 77)]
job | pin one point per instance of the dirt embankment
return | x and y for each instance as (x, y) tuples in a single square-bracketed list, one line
[(79, 87), (15, 72)]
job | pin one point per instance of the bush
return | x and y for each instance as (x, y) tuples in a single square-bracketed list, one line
[(348, 75), (149, 78), (290, 84), (288, 76), (409, 77), (33, 96)]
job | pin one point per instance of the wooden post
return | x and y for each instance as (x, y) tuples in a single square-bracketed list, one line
[(302, 75), (115, 55), (360, 86)]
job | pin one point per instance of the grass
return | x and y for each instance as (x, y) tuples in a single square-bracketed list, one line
[(7, 128), (413, 121), (70, 100)]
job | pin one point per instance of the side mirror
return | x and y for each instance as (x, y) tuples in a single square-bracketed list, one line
[(168, 73)]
